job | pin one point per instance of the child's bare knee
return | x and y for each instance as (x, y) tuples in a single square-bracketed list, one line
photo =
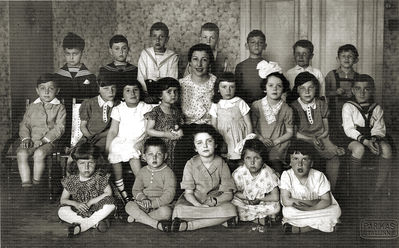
[(386, 150), (357, 149), (39, 154), (131, 207), (165, 212), (22, 154)]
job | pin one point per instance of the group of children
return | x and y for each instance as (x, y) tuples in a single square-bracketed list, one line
[(204, 126)]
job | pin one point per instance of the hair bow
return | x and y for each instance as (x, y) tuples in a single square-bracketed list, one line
[(240, 145), (265, 68)]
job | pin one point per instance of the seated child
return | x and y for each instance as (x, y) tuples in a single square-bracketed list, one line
[(272, 118), (153, 189), (42, 125), (210, 35), (165, 120), (157, 61), (87, 196), (121, 70), (306, 195), (257, 196), (74, 79), (303, 54), (95, 113), (311, 122), (363, 122), (247, 78), (339, 85), (208, 186), (230, 116), (127, 133)]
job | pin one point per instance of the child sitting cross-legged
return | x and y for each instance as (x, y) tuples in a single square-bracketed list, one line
[(86, 200), (153, 189), (257, 196), (306, 194)]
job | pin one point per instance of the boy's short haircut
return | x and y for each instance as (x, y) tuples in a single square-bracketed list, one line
[(202, 47), (155, 141), (160, 26), (106, 78), (256, 33), (364, 78), (117, 39), (210, 26), (305, 44), (348, 48), (72, 40), (46, 77), (164, 84), (284, 80)]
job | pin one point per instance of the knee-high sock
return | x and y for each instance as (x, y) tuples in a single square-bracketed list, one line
[(354, 170), (120, 184), (383, 171)]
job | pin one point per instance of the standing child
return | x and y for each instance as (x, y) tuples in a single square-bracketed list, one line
[(91, 194), (306, 195), (272, 118), (210, 35), (311, 122), (43, 124), (247, 78), (157, 61), (165, 120), (74, 79), (257, 197), (208, 187), (363, 122), (153, 189), (127, 132), (339, 87), (230, 116), (120, 69), (303, 54)]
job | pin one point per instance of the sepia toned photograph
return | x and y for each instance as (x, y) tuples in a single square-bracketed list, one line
[(199, 123)]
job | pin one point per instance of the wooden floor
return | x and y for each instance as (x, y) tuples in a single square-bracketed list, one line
[(30, 220)]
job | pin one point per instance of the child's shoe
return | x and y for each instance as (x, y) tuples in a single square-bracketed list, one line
[(73, 230), (103, 225)]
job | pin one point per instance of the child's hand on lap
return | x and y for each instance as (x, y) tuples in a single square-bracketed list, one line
[(81, 207), (268, 142), (318, 144), (373, 146)]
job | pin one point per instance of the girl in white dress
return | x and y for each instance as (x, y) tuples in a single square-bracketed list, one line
[(126, 135), (306, 195)]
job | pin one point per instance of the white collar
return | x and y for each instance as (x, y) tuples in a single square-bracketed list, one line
[(228, 103), (309, 68), (54, 101), (101, 102), (306, 105)]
